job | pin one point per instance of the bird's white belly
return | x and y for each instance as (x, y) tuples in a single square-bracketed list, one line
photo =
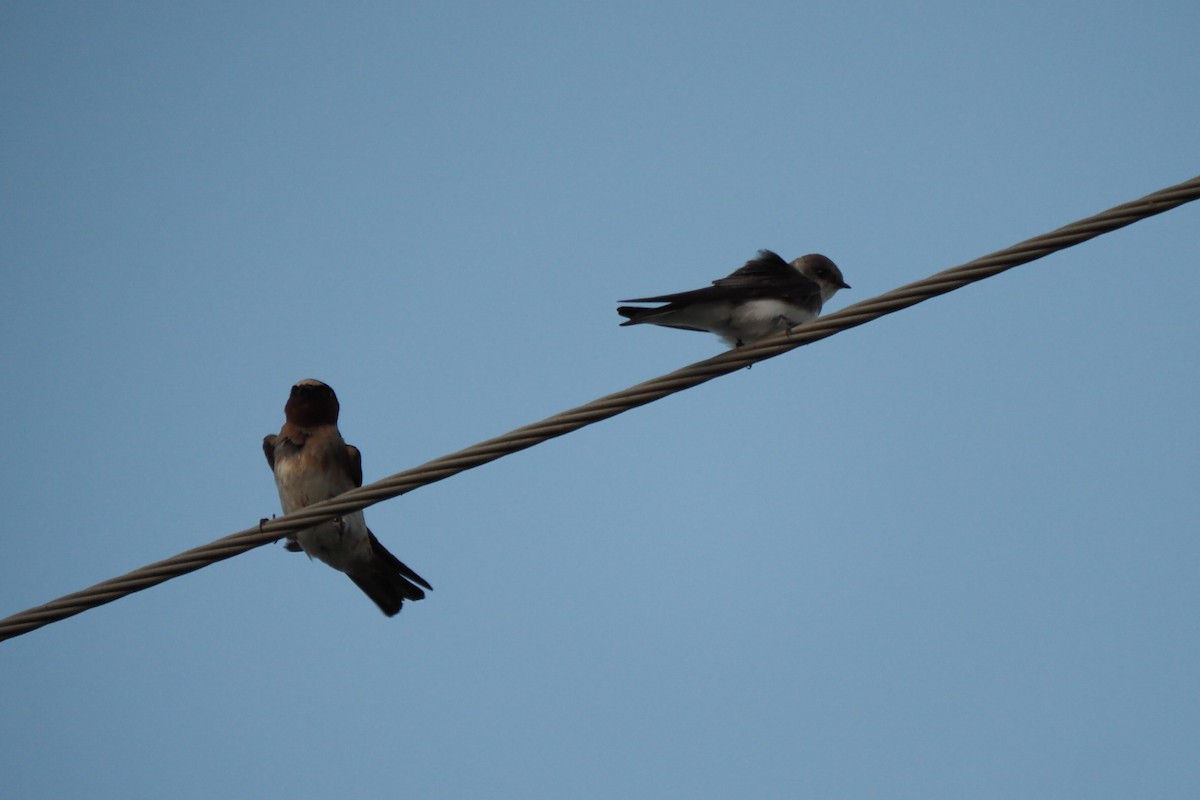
[(340, 542), (757, 318), (300, 485)]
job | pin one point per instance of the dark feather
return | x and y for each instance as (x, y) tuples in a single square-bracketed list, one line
[(354, 464), (768, 269), (390, 581), (269, 450), (765, 276), (636, 315), (399, 566)]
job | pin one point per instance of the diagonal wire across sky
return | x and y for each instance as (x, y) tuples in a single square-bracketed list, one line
[(609, 406)]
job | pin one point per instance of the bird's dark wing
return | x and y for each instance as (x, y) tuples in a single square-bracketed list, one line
[(771, 276), (683, 298), (355, 464), (659, 315), (768, 269), (269, 450), (768, 275)]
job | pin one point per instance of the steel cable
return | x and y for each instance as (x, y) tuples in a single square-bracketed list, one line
[(603, 408)]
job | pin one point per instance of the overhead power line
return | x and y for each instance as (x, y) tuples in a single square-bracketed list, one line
[(603, 408)]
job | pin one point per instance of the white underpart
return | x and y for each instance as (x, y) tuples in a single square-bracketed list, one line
[(755, 319), (740, 323), (340, 543)]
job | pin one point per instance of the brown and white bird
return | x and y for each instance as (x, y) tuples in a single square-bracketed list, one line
[(765, 296), (312, 463)]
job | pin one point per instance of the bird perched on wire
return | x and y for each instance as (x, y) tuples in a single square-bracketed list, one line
[(312, 463), (765, 296)]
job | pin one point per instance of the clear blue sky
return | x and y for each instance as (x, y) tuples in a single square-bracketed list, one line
[(952, 553)]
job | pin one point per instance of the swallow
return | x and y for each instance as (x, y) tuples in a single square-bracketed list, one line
[(765, 296), (311, 463)]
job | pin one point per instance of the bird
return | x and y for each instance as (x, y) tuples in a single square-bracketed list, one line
[(311, 462), (764, 296)]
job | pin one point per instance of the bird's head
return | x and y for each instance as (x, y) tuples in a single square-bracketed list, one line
[(823, 272), (312, 403)]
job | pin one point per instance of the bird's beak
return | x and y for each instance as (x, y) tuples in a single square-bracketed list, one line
[(844, 285)]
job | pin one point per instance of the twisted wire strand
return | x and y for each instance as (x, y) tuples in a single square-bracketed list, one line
[(603, 408)]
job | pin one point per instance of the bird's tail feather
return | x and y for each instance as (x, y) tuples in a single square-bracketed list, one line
[(389, 581), (634, 314)]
